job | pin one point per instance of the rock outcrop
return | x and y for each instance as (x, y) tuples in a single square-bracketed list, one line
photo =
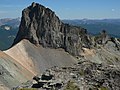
[(40, 25), (83, 76)]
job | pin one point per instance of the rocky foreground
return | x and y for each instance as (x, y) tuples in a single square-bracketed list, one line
[(83, 76)]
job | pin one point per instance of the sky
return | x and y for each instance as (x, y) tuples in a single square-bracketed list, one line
[(66, 9)]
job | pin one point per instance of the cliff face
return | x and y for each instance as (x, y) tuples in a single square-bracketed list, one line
[(40, 25)]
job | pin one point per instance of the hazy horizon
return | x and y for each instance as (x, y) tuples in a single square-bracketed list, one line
[(70, 19), (79, 9)]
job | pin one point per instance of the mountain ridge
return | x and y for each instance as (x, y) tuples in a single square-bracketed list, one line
[(39, 62), (40, 25), (95, 26)]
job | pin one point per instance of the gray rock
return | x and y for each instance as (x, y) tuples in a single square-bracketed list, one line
[(41, 26), (89, 76)]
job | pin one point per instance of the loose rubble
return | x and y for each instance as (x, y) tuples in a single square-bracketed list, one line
[(85, 76)]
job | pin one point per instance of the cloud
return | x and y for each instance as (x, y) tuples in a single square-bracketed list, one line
[(113, 10)]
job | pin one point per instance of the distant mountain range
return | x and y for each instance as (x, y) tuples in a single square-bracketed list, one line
[(94, 26), (11, 22), (8, 31), (112, 26), (7, 35)]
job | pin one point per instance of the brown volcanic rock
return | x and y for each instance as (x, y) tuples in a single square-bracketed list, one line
[(40, 25)]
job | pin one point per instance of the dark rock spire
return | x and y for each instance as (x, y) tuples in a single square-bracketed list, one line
[(40, 25)]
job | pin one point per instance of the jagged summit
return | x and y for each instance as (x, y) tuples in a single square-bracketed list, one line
[(34, 4), (41, 26), (33, 18)]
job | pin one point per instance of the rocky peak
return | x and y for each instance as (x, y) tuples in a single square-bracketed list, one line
[(34, 4), (103, 37), (41, 26)]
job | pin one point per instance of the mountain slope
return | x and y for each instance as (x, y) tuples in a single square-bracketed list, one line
[(11, 72), (39, 58), (11, 22), (107, 55)]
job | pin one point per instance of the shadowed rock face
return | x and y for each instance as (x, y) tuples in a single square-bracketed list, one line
[(40, 25)]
